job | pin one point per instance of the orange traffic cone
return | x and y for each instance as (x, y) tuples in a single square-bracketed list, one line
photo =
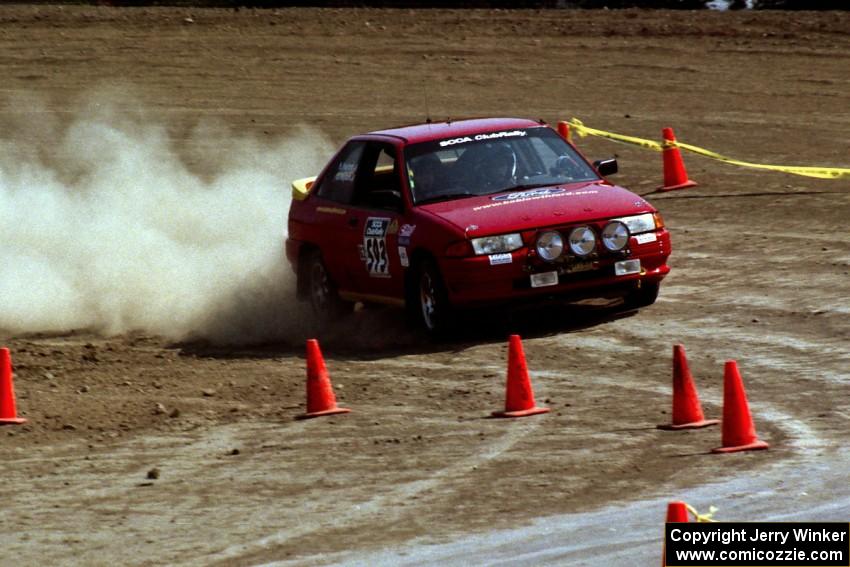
[(739, 431), (675, 176), (320, 394), (564, 131), (8, 413), (676, 512), (687, 411), (519, 398)]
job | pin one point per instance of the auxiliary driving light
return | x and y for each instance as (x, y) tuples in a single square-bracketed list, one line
[(582, 241), (550, 245), (615, 236)]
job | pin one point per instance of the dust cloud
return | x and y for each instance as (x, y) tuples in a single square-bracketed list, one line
[(110, 223)]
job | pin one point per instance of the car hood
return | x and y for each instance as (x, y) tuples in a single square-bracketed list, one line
[(537, 208)]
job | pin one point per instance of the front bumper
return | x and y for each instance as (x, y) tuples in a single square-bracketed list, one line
[(474, 281)]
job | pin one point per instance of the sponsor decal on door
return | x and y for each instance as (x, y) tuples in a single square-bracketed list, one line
[(375, 247)]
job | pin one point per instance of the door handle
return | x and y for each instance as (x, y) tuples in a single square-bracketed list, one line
[(352, 222)]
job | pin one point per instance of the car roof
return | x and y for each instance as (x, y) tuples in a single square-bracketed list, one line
[(429, 131)]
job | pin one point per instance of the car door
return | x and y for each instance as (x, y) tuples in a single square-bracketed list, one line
[(331, 228), (373, 223)]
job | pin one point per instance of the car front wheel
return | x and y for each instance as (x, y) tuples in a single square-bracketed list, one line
[(643, 296)]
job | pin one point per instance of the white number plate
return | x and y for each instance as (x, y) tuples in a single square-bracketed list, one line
[(627, 267), (544, 279), (646, 238)]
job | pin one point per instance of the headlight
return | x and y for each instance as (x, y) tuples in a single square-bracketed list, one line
[(639, 223), (615, 236), (497, 244), (582, 241), (550, 245)]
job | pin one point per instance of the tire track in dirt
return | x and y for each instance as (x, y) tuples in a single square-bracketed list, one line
[(378, 508), (631, 529)]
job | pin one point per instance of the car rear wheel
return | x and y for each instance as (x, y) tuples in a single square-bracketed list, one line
[(643, 296), (323, 295), (434, 308)]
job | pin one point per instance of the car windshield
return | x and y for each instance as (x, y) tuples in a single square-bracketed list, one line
[(494, 162)]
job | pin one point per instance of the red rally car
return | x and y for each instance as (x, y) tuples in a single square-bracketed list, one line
[(442, 216)]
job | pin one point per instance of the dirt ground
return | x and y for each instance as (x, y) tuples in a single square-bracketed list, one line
[(146, 451)]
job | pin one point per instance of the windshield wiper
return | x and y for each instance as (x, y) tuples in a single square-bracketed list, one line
[(445, 197)]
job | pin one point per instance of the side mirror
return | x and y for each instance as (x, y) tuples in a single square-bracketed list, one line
[(386, 199), (606, 167)]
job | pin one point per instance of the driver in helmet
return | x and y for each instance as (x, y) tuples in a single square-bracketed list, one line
[(497, 168), (425, 175)]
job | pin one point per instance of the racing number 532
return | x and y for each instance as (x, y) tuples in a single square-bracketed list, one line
[(377, 261), (375, 246)]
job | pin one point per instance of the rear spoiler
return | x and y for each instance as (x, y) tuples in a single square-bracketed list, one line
[(301, 188)]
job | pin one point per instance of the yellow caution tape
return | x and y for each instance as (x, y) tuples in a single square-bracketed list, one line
[(702, 517), (582, 130), (819, 172)]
